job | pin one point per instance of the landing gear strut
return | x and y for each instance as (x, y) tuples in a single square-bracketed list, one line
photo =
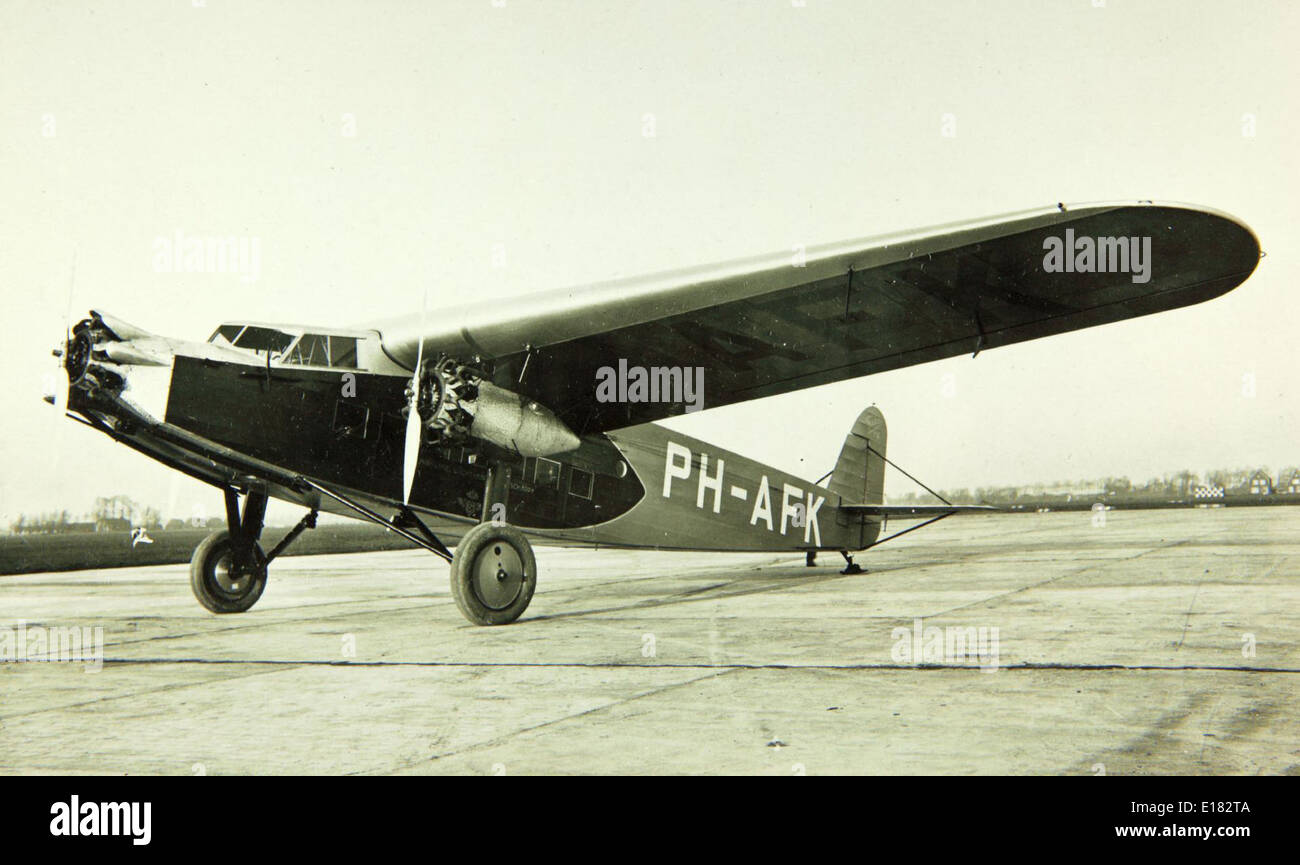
[(851, 567), (493, 572), (228, 570)]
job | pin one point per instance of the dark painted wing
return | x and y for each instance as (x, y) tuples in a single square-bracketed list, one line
[(764, 326)]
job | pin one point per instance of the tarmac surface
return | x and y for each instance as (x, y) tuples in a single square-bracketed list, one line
[(1162, 642)]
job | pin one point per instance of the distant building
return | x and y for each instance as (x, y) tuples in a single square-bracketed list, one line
[(112, 524), (1289, 482), (1261, 484), (1070, 490), (1208, 491)]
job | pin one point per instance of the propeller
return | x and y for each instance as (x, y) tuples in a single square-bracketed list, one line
[(57, 394), (414, 423)]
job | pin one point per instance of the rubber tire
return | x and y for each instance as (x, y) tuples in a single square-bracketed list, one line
[(203, 576), (467, 551)]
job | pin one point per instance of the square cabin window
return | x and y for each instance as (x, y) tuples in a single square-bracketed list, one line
[(350, 420), (311, 350), (547, 474), (261, 339), (580, 483), (343, 352)]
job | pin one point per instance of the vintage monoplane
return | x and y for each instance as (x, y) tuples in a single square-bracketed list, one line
[(484, 423)]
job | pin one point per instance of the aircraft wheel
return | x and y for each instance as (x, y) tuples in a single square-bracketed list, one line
[(493, 574), (218, 583)]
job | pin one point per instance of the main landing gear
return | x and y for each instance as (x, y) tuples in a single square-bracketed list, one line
[(494, 572), (228, 570)]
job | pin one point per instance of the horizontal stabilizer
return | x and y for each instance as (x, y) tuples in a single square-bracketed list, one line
[(913, 510)]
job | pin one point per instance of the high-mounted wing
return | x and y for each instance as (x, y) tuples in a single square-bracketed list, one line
[(765, 326)]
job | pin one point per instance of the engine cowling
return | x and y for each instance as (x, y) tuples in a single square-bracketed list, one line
[(456, 403)]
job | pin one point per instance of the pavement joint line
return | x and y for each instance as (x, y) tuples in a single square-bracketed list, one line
[(1073, 573), (623, 701), (440, 601), (107, 698), (430, 602), (785, 583), (609, 665), (1187, 620), (254, 625)]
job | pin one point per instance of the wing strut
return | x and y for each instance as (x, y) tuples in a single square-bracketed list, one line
[(432, 544), (910, 529)]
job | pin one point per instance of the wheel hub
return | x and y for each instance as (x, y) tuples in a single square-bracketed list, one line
[(498, 575), (230, 577)]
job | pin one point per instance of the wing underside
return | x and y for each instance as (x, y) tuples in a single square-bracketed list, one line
[(763, 327)]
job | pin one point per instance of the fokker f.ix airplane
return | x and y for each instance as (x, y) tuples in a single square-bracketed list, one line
[(482, 422)]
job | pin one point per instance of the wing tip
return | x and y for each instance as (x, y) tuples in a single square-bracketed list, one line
[(1237, 239), (1222, 215)]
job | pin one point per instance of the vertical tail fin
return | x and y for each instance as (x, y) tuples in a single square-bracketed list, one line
[(859, 474)]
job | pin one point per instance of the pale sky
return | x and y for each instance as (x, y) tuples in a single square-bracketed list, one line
[(519, 128)]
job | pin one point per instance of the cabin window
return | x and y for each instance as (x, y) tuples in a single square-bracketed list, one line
[(580, 483), (227, 333), (547, 473), (350, 420), (319, 349), (343, 352), (309, 350), (261, 339)]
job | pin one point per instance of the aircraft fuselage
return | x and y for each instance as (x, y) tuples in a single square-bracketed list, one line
[(233, 421)]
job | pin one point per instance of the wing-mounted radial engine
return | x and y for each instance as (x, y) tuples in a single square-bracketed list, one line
[(456, 402), (448, 395)]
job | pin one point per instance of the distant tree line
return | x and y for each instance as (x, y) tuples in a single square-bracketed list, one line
[(1179, 484), (113, 513), (51, 522)]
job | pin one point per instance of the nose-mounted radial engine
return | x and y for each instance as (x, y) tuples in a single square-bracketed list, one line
[(84, 356), (456, 402), (107, 361)]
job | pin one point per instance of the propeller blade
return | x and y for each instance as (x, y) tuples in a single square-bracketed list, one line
[(414, 433), (56, 391), (57, 384)]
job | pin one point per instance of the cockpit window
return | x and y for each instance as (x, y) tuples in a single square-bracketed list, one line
[(226, 333), (343, 351), (308, 349), (319, 349), (263, 339), (311, 350)]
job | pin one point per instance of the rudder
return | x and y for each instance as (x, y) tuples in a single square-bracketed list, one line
[(859, 474)]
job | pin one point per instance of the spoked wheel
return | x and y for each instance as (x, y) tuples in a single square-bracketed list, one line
[(493, 574), (222, 584)]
